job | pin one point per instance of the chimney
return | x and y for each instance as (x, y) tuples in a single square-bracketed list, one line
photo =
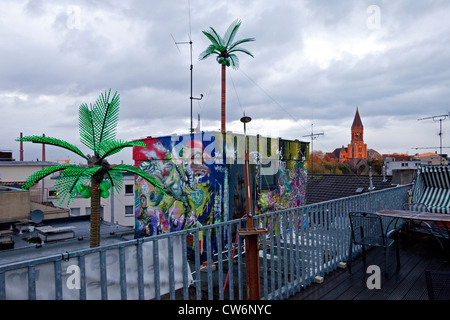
[(43, 149), (21, 147)]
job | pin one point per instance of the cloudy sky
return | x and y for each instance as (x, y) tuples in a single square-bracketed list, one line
[(314, 63)]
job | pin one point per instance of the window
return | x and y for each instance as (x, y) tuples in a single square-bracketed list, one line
[(129, 210), (52, 193), (74, 211), (129, 189)]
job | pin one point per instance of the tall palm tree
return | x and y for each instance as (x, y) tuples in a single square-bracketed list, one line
[(97, 125), (225, 50)]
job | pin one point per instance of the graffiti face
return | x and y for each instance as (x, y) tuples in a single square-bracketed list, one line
[(181, 167)]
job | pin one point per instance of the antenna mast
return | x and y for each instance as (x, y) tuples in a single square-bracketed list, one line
[(191, 67), (313, 137), (439, 118)]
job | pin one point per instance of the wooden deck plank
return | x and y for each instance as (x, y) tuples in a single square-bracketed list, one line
[(417, 254)]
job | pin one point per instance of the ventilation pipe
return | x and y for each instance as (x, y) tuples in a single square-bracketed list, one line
[(43, 149), (21, 147)]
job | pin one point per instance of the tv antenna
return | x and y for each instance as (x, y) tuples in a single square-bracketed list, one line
[(313, 136), (439, 118), (191, 67)]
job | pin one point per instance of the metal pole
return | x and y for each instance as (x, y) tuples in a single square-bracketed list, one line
[(251, 233)]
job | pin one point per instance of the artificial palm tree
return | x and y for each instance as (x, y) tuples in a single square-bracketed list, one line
[(98, 124), (225, 50)]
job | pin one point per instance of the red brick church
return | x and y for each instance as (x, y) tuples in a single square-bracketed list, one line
[(356, 151)]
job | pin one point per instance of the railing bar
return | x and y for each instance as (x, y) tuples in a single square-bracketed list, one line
[(291, 251), (171, 270), (230, 283), (208, 264), (123, 274), (279, 254), (156, 274), (2, 286), (220, 261), (272, 253), (264, 253), (240, 242), (103, 277), (198, 278), (82, 265), (140, 270), (31, 283), (58, 280), (298, 225), (185, 266)]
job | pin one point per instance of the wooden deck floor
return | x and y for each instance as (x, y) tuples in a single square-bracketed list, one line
[(417, 253)]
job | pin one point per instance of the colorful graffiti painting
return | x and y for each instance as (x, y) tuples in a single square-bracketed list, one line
[(289, 191), (194, 185)]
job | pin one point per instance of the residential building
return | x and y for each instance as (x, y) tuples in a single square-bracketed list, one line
[(118, 208), (433, 158)]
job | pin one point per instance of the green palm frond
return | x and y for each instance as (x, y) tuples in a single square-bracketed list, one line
[(86, 125), (108, 148), (68, 180), (115, 177), (231, 32), (99, 122), (215, 38), (212, 49), (224, 47), (233, 47), (54, 142), (106, 116), (139, 172), (35, 177)]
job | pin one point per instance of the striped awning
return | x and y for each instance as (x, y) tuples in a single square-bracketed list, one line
[(432, 188)]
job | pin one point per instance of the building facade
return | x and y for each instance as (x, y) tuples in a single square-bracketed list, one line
[(118, 208)]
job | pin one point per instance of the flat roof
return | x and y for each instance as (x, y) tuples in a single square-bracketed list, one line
[(24, 249), (28, 163)]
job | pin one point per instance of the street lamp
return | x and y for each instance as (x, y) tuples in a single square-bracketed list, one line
[(251, 233)]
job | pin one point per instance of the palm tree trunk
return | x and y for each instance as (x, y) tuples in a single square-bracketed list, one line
[(223, 98), (95, 214)]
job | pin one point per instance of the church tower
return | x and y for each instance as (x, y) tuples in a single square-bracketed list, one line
[(357, 149)]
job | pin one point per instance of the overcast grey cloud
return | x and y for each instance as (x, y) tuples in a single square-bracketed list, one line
[(314, 62)]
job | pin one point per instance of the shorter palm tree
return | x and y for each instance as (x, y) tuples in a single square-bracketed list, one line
[(98, 125)]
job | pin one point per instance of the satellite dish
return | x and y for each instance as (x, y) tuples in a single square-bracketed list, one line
[(37, 216)]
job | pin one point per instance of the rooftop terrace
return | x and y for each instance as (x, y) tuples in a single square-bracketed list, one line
[(418, 252)]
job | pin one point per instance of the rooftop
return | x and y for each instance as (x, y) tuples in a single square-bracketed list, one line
[(325, 187), (27, 242), (418, 253)]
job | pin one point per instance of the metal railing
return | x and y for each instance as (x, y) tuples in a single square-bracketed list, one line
[(204, 263)]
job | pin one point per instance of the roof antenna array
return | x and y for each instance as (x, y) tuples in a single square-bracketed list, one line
[(313, 137), (439, 118), (191, 67)]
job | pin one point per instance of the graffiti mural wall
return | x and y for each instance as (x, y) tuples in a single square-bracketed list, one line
[(202, 174), (194, 184)]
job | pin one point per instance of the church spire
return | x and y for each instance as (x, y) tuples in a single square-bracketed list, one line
[(357, 121)]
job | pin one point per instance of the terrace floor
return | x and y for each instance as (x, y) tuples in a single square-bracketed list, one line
[(418, 252)]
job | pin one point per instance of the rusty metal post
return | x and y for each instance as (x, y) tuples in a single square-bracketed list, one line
[(251, 233)]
